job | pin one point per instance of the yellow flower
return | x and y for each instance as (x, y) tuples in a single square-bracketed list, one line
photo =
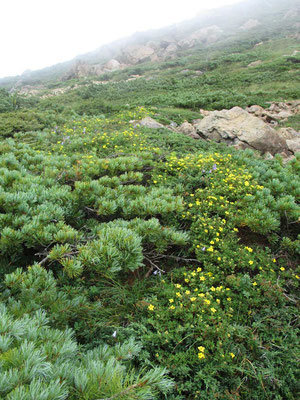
[(178, 294), (274, 260), (228, 298), (172, 308), (171, 300), (193, 298), (202, 278), (254, 283), (250, 262), (201, 348), (201, 295), (232, 355), (151, 307), (187, 292), (213, 310), (201, 355), (207, 302), (199, 269), (246, 183), (178, 286), (282, 269)]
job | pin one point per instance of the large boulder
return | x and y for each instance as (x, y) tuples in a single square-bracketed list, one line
[(188, 129), (239, 128)]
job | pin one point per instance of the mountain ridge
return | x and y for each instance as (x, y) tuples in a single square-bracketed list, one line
[(213, 26)]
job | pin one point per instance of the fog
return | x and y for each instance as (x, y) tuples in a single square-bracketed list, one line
[(40, 33)]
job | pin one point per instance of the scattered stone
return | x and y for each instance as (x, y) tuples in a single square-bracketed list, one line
[(289, 133), (148, 122), (256, 110), (276, 112), (268, 156), (255, 63), (204, 112), (293, 145), (284, 114)]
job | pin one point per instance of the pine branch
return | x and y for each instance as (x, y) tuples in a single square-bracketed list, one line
[(127, 390), (177, 258), (153, 266)]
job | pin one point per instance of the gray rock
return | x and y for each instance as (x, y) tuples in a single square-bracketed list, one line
[(293, 145), (148, 122), (289, 133), (188, 129), (250, 24), (256, 110), (207, 35), (268, 156), (237, 125), (135, 54), (284, 114), (112, 65)]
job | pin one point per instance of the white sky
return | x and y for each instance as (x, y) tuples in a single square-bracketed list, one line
[(39, 33)]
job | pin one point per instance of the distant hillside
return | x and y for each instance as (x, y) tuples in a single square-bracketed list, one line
[(258, 19)]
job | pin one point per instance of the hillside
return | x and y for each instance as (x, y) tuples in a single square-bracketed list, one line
[(149, 215)]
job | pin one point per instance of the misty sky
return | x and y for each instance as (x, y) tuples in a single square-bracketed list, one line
[(38, 33)]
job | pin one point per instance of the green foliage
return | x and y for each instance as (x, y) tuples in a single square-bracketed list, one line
[(24, 121), (110, 232), (41, 362)]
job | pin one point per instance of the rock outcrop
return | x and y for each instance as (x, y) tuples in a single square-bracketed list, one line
[(112, 65), (250, 24), (238, 128), (276, 112), (206, 35), (136, 54)]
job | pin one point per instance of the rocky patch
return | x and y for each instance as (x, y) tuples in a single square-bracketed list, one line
[(240, 129)]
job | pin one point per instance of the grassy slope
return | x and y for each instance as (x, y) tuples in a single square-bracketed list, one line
[(91, 198)]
